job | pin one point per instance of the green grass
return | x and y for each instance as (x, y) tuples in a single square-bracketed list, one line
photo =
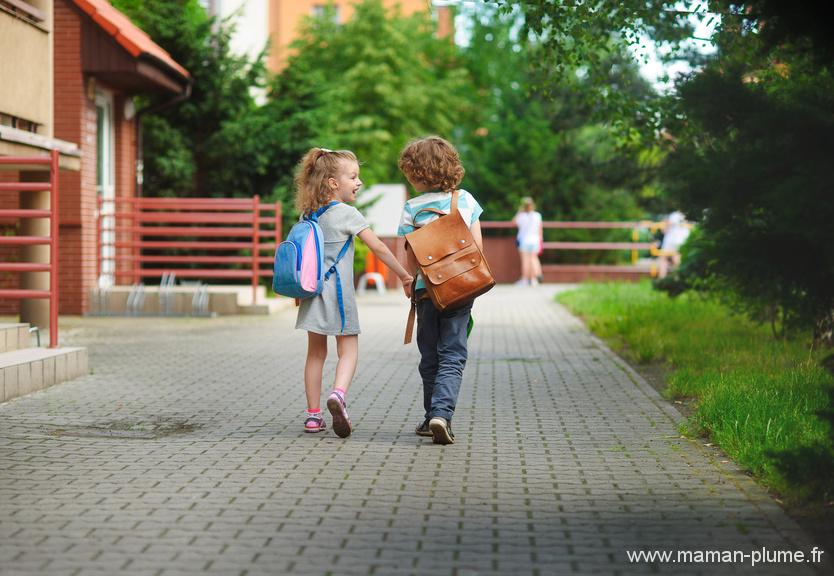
[(759, 398)]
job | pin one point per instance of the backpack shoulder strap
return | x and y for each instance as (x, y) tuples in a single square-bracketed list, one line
[(452, 208), (432, 210), (314, 216), (334, 270)]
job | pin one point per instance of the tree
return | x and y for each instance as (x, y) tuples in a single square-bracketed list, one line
[(218, 142), (526, 142), (591, 38), (753, 162), (748, 137), (369, 85)]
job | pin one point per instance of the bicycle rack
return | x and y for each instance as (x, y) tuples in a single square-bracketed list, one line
[(37, 332), (100, 305), (97, 304), (166, 293), (200, 301), (136, 300)]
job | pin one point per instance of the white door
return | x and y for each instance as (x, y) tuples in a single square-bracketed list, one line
[(106, 184)]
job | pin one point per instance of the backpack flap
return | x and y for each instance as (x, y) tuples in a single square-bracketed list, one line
[(455, 265), (442, 237)]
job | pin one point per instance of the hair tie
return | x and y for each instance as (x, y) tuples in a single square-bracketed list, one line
[(323, 151)]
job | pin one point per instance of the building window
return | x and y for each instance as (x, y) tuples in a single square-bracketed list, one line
[(322, 11), (18, 123), (23, 10)]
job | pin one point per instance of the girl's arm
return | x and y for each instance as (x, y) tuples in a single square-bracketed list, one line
[(383, 253)]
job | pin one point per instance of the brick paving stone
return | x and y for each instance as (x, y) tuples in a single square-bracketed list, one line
[(182, 453)]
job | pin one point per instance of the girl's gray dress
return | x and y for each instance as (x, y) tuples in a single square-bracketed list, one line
[(320, 314)]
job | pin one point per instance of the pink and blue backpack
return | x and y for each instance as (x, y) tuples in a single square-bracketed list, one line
[(299, 261)]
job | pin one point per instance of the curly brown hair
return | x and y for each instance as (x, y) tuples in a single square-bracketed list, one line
[(433, 163), (311, 176)]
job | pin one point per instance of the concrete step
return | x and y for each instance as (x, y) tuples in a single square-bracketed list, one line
[(30, 369), (13, 337), (178, 301)]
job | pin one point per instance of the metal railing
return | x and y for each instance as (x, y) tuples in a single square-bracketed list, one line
[(209, 235), (634, 247), (51, 267)]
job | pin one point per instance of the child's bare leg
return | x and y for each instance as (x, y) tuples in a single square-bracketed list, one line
[(316, 355), (347, 347), (537, 266), (525, 266), (528, 258)]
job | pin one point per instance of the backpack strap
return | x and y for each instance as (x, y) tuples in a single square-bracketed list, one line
[(334, 269), (412, 314), (314, 216), (432, 210), (453, 207)]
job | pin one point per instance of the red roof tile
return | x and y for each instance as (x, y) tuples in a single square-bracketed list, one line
[(127, 34)]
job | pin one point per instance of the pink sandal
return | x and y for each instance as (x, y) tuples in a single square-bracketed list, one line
[(341, 422), (314, 424)]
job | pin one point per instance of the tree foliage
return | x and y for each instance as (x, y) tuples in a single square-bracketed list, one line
[(548, 146), (595, 39), (753, 161), (218, 142), (748, 137), (369, 85)]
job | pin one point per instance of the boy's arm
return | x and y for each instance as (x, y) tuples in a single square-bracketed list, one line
[(383, 253), (476, 234), (411, 264), (410, 258)]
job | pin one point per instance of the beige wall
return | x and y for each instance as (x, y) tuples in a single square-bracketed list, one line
[(26, 68), (285, 17)]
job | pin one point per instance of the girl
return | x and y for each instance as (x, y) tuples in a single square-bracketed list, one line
[(529, 240), (325, 176)]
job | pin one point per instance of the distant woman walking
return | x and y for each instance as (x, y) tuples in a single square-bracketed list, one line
[(529, 241)]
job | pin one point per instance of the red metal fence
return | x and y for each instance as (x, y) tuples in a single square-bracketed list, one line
[(571, 272), (194, 238), (52, 240)]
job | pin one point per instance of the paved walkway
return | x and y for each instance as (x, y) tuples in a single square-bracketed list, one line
[(183, 454)]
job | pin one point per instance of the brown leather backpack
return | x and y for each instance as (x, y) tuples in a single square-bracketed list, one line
[(453, 267)]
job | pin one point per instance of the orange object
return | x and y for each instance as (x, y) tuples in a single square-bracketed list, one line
[(374, 265)]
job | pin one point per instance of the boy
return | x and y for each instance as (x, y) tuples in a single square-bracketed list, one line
[(432, 166)]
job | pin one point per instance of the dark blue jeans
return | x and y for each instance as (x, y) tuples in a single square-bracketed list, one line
[(441, 338)]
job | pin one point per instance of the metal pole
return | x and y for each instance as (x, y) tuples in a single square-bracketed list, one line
[(99, 244), (35, 195), (256, 227), (278, 216), (54, 295)]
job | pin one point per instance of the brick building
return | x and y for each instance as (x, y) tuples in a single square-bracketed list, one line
[(91, 60)]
